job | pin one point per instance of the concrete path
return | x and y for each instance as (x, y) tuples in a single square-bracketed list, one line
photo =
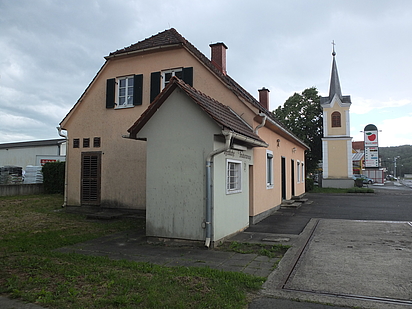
[(366, 264)]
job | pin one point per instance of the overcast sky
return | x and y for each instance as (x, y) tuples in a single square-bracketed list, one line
[(50, 50)]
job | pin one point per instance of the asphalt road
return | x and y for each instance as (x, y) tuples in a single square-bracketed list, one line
[(388, 203)]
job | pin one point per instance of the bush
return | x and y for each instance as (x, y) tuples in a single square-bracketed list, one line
[(53, 177), (309, 184)]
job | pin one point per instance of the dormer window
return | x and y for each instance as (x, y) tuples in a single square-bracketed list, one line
[(336, 120)]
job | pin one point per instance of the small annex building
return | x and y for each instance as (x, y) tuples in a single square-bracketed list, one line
[(196, 148), (180, 109)]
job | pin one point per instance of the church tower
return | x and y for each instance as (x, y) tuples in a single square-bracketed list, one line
[(336, 141)]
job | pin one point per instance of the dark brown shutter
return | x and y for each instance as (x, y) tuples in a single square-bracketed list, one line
[(90, 185), (154, 85), (138, 89), (110, 92), (188, 76)]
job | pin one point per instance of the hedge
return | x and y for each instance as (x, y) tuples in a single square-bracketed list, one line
[(53, 177)]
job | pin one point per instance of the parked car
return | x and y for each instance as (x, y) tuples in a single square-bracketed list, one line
[(364, 178)]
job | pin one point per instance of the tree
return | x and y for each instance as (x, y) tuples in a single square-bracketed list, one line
[(302, 115)]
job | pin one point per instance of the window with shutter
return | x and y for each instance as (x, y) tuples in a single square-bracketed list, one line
[(159, 80), (154, 85), (110, 92), (90, 182), (124, 91)]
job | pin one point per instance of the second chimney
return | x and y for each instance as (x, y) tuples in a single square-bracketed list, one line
[(219, 56), (264, 97)]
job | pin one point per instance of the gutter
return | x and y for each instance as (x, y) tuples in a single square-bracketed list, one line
[(66, 175), (262, 124), (228, 136)]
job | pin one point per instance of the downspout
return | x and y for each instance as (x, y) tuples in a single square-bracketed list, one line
[(59, 130), (262, 124), (209, 160)]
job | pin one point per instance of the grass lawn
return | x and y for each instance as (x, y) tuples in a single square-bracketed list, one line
[(31, 227)]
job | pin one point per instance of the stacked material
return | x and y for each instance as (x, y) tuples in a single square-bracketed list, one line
[(33, 174), (11, 175)]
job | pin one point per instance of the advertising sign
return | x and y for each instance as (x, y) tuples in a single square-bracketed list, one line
[(371, 146), (371, 138), (371, 157)]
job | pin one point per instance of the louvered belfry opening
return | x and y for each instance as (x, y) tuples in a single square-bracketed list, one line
[(90, 189)]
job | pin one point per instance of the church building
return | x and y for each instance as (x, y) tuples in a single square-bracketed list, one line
[(336, 141)]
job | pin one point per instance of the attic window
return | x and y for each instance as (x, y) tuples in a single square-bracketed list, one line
[(167, 75), (336, 120), (125, 91)]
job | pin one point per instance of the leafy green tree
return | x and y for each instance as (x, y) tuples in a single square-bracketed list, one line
[(302, 115)]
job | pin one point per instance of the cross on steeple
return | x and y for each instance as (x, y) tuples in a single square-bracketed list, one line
[(333, 51)]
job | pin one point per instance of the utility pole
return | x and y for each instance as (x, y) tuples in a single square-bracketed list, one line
[(394, 165)]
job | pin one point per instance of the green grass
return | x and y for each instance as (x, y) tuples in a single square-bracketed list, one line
[(31, 227), (338, 190)]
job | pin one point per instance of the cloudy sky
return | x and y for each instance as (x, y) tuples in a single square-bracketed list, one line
[(51, 49)]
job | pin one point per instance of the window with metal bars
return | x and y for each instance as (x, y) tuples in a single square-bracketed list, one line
[(234, 176)]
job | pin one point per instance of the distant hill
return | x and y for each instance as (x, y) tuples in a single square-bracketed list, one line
[(403, 164)]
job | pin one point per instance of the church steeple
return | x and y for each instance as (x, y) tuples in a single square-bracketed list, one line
[(334, 87)]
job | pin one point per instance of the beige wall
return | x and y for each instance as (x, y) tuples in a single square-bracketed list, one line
[(337, 158), (267, 198)]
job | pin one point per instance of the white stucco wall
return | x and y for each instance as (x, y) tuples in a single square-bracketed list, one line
[(231, 211), (179, 137)]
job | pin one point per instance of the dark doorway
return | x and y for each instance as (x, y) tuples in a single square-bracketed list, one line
[(283, 167), (292, 162), (90, 182)]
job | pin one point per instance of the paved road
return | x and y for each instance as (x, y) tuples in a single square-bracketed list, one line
[(389, 202)]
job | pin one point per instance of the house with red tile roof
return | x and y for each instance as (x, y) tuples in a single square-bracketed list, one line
[(164, 129)]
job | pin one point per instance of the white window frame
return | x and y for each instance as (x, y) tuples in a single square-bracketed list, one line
[(233, 176), (269, 169), (173, 73), (298, 171), (128, 87)]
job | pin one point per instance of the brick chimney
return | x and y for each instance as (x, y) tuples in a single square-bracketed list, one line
[(264, 97), (218, 51)]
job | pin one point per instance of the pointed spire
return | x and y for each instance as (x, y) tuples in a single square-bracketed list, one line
[(334, 87)]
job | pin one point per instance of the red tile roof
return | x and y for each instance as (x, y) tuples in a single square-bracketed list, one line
[(221, 114), (360, 145), (165, 38)]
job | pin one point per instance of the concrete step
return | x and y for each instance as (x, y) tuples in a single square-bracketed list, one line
[(290, 205)]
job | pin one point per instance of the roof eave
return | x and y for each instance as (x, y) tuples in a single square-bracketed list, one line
[(144, 50)]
